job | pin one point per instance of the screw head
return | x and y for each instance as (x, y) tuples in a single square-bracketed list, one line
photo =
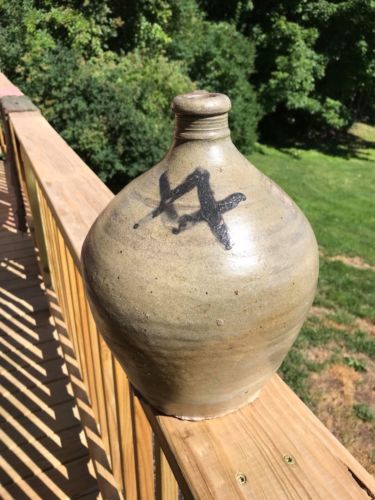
[(241, 478), (289, 459)]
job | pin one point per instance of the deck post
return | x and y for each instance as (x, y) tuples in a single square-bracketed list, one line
[(12, 99), (15, 102)]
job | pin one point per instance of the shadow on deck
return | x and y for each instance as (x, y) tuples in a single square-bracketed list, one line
[(43, 448)]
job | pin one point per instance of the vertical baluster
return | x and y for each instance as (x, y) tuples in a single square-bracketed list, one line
[(107, 365), (125, 431), (51, 249), (16, 172), (35, 222), (143, 446), (3, 146), (166, 486), (77, 323), (86, 336), (103, 417), (47, 236), (65, 299)]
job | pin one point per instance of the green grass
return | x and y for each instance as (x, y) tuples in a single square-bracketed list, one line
[(357, 364), (337, 194), (364, 413)]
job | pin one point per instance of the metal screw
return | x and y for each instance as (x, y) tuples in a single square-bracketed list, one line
[(241, 478), (289, 460)]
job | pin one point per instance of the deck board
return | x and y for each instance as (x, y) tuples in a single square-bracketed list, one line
[(43, 450)]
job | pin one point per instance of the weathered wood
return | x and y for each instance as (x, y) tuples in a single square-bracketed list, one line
[(123, 396), (73, 191), (85, 333), (166, 485), (102, 416), (106, 481), (40, 434), (143, 447), (11, 161), (36, 224), (106, 360), (274, 448)]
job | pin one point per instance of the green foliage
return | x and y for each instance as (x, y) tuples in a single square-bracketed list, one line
[(115, 112), (294, 69), (357, 364), (315, 65), (220, 59), (363, 412), (304, 68), (113, 107), (30, 34), (214, 55)]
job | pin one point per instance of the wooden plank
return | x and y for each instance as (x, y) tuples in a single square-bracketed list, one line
[(38, 419), (106, 363), (123, 398), (104, 475), (72, 189), (12, 161), (28, 428), (85, 333), (41, 334), (32, 375), (273, 448), (102, 415), (143, 446), (30, 458), (5, 82), (166, 485), (34, 398), (73, 319), (26, 356), (35, 224), (65, 481), (62, 283)]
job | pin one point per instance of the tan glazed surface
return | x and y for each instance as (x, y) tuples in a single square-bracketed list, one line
[(201, 271)]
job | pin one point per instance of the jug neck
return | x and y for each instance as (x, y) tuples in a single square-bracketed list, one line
[(195, 127), (201, 115)]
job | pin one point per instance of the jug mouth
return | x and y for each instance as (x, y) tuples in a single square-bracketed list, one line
[(201, 115), (201, 102)]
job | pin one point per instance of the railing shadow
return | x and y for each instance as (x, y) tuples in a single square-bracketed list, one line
[(43, 449)]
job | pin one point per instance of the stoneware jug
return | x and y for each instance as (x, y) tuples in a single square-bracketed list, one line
[(201, 271)]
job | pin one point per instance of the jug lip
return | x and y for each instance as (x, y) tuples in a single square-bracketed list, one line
[(201, 102)]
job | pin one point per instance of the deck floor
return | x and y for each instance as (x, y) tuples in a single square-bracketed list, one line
[(43, 453)]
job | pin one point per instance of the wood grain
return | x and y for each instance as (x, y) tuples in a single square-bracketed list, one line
[(41, 450), (123, 398), (273, 448), (73, 191), (166, 485)]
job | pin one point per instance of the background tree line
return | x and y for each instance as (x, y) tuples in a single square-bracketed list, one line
[(105, 72)]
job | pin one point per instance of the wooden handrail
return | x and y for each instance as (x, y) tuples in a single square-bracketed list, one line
[(273, 448)]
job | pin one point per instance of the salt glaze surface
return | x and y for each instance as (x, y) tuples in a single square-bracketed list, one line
[(201, 271)]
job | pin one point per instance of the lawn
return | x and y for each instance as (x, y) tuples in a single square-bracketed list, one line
[(332, 364)]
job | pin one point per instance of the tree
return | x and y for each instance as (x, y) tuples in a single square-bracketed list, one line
[(314, 65)]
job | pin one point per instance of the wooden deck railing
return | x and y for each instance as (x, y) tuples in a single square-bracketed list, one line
[(274, 448)]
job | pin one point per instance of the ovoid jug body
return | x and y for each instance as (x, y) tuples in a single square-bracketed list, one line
[(201, 271)]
